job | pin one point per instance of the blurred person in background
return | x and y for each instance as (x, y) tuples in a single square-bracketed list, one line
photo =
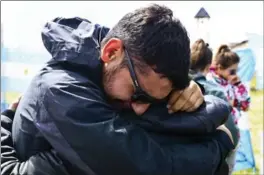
[(201, 60), (224, 72)]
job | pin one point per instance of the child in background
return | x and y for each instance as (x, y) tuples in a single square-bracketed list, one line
[(224, 72)]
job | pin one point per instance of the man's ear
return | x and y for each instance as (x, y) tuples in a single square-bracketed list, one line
[(112, 49)]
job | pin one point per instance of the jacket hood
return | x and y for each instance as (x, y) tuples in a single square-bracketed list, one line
[(73, 40)]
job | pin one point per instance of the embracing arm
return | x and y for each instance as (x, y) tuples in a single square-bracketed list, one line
[(45, 163), (208, 112), (242, 98), (97, 134), (210, 115)]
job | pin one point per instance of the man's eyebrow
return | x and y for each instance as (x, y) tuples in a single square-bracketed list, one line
[(159, 74), (156, 70)]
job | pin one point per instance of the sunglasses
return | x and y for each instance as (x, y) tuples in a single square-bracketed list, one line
[(139, 95), (232, 72)]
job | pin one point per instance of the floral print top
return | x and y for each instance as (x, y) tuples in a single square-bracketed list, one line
[(237, 94)]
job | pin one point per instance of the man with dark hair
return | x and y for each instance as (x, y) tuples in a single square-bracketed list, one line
[(99, 106), (153, 36)]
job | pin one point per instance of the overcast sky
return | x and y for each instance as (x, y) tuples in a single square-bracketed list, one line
[(22, 21)]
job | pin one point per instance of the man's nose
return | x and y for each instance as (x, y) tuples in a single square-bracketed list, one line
[(140, 108)]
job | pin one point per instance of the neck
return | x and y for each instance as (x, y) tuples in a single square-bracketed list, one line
[(204, 73)]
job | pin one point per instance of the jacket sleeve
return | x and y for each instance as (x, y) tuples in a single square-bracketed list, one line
[(45, 163), (242, 98), (213, 113), (215, 90), (98, 133)]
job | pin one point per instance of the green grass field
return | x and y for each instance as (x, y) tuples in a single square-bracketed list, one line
[(256, 128)]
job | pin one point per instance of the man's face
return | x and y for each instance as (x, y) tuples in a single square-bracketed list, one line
[(118, 83)]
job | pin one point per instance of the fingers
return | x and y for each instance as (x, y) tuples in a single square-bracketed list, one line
[(179, 104), (187, 100), (182, 102), (195, 99), (194, 102), (197, 104), (174, 97)]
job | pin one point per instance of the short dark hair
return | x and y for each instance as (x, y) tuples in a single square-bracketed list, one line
[(201, 55), (225, 57), (151, 34)]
